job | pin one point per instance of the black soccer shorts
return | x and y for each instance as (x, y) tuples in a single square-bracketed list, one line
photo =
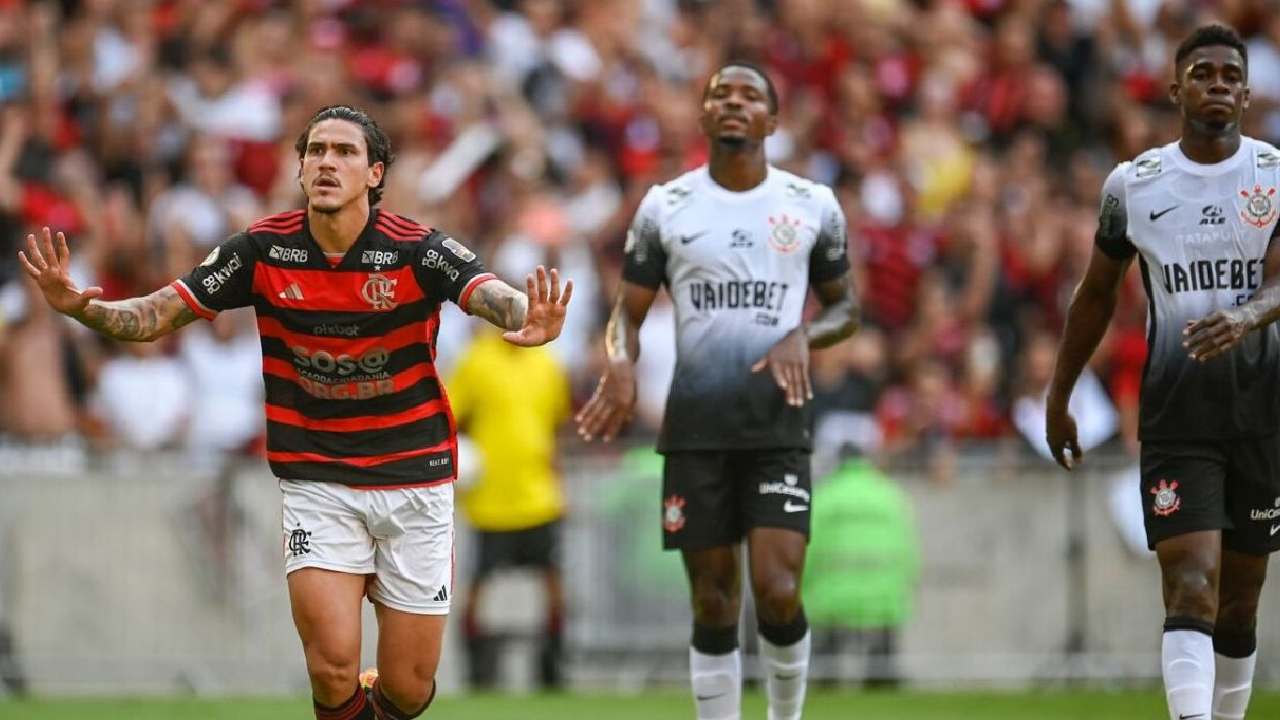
[(712, 498), (1228, 485), (536, 547)]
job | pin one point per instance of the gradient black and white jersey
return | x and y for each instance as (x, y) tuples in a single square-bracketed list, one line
[(1201, 233), (738, 266)]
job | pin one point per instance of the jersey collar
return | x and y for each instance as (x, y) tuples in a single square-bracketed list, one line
[(1188, 165)]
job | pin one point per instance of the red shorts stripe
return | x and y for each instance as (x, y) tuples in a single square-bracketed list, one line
[(355, 460), (192, 302), (276, 413)]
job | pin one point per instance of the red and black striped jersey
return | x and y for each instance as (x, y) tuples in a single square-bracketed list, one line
[(348, 349)]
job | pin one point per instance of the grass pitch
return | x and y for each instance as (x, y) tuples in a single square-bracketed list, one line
[(662, 705)]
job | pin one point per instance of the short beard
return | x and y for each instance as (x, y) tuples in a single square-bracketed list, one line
[(732, 144)]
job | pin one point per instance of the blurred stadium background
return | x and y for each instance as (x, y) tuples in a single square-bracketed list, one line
[(966, 140)]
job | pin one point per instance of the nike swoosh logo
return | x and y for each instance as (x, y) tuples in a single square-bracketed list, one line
[(788, 507), (1275, 529), (1157, 215), (686, 239), (1189, 717), (702, 698)]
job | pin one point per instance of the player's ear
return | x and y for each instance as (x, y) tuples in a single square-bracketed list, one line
[(771, 124), (1175, 92), (1244, 98), (375, 174)]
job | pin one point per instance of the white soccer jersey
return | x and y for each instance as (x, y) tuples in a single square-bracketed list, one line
[(738, 266), (1201, 233)]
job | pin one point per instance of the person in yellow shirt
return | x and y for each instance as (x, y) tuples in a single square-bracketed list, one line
[(510, 401)]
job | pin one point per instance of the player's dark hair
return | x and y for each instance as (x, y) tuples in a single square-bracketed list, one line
[(768, 82), (377, 144), (1209, 35)]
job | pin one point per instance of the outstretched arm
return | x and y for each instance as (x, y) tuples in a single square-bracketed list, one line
[(614, 399), (534, 317), (136, 319), (1212, 336)]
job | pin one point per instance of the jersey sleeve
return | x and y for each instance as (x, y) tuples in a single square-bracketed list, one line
[(1112, 237), (223, 281), (829, 258), (645, 260), (448, 270)]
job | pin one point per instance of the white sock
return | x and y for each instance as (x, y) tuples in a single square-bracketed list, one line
[(786, 673), (1187, 659), (1232, 685), (717, 684)]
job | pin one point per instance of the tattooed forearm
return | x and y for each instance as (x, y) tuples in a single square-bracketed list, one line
[(500, 304), (139, 319), (621, 336)]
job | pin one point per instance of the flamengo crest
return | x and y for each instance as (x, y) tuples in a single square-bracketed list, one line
[(379, 291), (1260, 207)]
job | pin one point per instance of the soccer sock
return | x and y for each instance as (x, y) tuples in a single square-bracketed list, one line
[(784, 650), (384, 709), (356, 708), (1235, 655), (715, 670), (1186, 656)]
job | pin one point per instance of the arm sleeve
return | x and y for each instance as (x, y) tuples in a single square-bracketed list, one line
[(223, 281), (447, 270), (829, 258), (645, 260), (1112, 237)]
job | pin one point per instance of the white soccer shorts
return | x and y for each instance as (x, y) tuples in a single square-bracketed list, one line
[(401, 536)]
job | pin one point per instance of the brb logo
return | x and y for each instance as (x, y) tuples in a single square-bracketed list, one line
[(379, 291)]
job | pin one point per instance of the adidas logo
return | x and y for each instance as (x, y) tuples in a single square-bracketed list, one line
[(443, 595), (293, 292)]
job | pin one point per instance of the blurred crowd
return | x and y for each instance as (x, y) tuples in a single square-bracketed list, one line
[(966, 140)]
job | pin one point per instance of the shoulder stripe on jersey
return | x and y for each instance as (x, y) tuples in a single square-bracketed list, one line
[(336, 290), (192, 301), (276, 229), (356, 461), (403, 222), (293, 217), (474, 283), (269, 327), (277, 413), (397, 234)]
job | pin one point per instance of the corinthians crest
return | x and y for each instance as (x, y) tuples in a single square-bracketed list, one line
[(673, 513), (1167, 501), (785, 236), (1260, 206), (379, 291)]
